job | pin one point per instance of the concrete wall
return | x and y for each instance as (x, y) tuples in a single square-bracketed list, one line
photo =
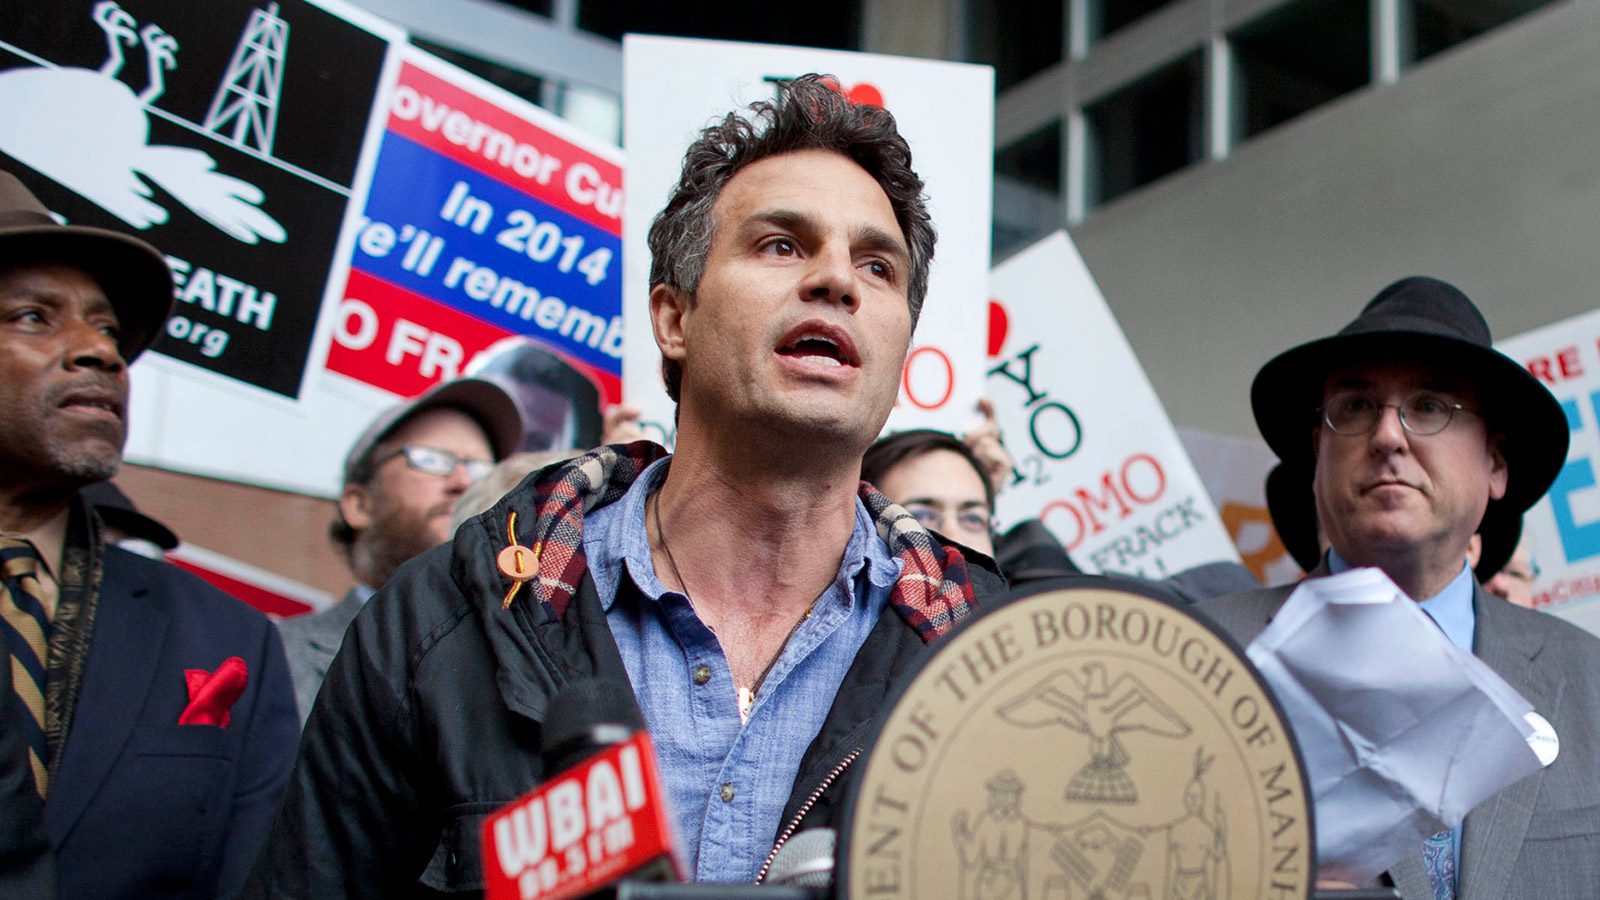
[(1481, 166)]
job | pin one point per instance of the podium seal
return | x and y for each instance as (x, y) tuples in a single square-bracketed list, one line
[(1083, 742)]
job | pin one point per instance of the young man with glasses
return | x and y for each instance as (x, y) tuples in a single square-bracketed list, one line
[(1417, 434), (401, 482), (938, 480)]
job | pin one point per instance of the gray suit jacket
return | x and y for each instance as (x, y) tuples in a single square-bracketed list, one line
[(311, 641), (1538, 839)]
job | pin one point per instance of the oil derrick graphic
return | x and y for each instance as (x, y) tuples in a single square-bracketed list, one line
[(245, 108)]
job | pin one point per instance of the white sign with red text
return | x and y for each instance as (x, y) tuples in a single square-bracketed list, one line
[(1564, 526), (674, 87), (1096, 458)]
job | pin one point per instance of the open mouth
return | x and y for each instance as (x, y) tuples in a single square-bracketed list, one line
[(821, 344)]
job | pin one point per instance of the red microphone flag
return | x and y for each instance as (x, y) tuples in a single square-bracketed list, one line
[(581, 830)]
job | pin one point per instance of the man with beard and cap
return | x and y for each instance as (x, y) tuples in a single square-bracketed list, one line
[(402, 478), (155, 711), (1416, 433), (763, 603)]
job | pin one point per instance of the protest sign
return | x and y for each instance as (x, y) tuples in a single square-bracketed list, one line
[(1096, 458), (227, 134), (347, 223), (487, 218), (674, 87), (1564, 526), (1234, 471)]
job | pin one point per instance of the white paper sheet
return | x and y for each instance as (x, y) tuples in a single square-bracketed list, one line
[(1402, 731)]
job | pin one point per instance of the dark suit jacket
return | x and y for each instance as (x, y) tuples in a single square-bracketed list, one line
[(1538, 839), (140, 806), (27, 868)]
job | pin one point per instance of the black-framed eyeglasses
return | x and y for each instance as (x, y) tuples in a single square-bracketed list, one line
[(972, 520), (434, 461), (1351, 413)]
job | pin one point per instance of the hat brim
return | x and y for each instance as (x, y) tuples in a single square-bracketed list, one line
[(132, 273), (489, 404), (1533, 428), (1293, 508)]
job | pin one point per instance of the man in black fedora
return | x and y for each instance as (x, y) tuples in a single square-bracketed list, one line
[(149, 723), (1417, 434)]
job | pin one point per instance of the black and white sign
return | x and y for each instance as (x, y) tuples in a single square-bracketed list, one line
[(225, 133)]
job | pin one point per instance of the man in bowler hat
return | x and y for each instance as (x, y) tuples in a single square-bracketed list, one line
[(148, 725), (1417, 434)]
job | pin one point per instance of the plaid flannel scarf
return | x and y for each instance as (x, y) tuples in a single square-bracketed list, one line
[(932, 594)]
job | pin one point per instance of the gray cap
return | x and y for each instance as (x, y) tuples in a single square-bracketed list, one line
[(486, 402)]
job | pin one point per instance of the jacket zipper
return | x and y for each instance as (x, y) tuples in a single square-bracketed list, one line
[(794, 823)]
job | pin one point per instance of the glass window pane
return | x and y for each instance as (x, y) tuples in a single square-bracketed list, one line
[(1441, 24), (1027, 189), (596, 112), (1018, 37), (1107, 16), (833, 24), (1297, 58), (525, 85), (1146, 130), (542, 7)]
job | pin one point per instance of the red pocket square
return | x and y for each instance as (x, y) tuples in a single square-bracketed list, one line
[(211, 693)]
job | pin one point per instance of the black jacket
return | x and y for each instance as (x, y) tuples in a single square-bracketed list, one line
[(429, 720)]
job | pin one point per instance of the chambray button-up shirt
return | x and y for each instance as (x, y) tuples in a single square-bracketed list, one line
[(727, 783)]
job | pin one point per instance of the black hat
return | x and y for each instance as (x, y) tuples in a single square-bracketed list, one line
[(1293, 508), (1433, 323), (132, 273)]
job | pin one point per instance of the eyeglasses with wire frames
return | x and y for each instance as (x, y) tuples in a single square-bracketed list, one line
[(434, 461), (973, 520), (1352, 413)]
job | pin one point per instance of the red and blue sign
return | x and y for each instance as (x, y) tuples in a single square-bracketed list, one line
[(480, 225)]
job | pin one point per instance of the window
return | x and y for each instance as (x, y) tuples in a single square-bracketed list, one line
[(541, 7), (1108, 16), (1027, 189), (1297, 58), (596, 112), (1018, 37), (525, 85), (833, 24), (1146, 130), (1438, 25)]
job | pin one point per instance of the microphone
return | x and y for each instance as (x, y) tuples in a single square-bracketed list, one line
[(601, 813), (805, 860)]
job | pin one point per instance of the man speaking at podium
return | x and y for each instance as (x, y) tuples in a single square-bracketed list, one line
[(760, 599), (1419, 432)]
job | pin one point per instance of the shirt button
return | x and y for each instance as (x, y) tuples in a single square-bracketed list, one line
[(702, 674), (727, 792)]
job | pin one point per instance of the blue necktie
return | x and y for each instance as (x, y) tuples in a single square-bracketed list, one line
[(1439, 856)]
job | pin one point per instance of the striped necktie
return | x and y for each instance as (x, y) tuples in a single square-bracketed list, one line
[(1439, 858), (27, 632)]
